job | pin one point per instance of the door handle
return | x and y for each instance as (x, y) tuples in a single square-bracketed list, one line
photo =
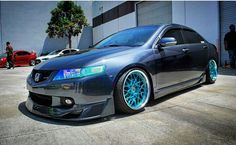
[(204, 47), (185, 50)]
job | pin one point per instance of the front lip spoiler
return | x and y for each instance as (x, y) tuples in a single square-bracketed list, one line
[(54, 112), (78, 112)]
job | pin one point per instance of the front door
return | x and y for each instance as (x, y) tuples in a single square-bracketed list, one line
[(21, 58), (171, 61)]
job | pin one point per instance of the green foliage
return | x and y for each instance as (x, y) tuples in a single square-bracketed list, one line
[(67, 20)]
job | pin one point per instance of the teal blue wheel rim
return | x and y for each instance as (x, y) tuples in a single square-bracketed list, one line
[(213, 70), (136, 89)]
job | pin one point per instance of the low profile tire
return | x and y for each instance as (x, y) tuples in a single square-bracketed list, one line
[(211, 72), (32, 63), (132, 91)]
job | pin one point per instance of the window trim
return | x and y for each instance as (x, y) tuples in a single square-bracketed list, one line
[(162, 33), (180, 31)]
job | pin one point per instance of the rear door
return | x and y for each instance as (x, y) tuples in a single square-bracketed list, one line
[(171, 61), (196, 50)]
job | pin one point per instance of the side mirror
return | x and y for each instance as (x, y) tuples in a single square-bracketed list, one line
[(167, 41), (90, 46)]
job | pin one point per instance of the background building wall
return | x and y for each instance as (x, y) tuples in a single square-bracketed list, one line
[(227, 17), (108, 28), (154, 12), (24, 25), (1, 48), (202, 16)]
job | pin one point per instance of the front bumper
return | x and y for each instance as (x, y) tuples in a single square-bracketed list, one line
[(92, 97)]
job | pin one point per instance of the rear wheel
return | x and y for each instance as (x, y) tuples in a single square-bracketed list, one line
[(211, 72), (132, 91)]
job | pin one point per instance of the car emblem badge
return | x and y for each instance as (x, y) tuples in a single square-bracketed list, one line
[(37, 77)]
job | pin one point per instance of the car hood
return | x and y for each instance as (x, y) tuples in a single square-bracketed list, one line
[(83, 58)]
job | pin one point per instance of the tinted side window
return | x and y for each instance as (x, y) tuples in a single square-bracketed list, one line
[(25, 53), (73, 50), (22, 53), (176, 33), (66, 51), (191, 37)]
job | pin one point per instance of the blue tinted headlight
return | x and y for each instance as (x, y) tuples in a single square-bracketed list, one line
[(78, 73)]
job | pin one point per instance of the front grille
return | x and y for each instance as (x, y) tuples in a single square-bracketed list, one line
[(40, 75), (41, 99)]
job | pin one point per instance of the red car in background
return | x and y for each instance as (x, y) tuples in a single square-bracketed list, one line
[(20, 58)]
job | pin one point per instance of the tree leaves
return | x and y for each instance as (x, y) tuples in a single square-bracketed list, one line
[(67, 20)]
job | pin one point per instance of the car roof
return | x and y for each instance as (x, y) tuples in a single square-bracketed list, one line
[(166, 25)]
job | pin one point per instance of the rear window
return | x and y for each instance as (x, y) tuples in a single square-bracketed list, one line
[(191, 37)]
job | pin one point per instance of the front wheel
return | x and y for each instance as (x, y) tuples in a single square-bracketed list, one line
[(32, 62), (211, 72), (132, 91)]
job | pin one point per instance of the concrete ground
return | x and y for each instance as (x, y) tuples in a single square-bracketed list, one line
[(200, 115)]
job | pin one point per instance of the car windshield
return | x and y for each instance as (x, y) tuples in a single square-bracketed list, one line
[(131, 37), (3, 55), (54, 52)]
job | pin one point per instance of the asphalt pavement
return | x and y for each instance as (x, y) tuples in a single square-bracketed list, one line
[(204, 115)]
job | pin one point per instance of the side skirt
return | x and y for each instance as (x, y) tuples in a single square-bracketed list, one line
[(180, 86)]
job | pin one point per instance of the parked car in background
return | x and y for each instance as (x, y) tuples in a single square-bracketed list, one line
[(56, 53), (20, 58), (121, 73), (3, 59)]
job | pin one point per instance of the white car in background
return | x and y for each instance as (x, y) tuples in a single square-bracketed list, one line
[(54, 54)]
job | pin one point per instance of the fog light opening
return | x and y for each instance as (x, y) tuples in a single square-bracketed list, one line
[(67, 101)]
